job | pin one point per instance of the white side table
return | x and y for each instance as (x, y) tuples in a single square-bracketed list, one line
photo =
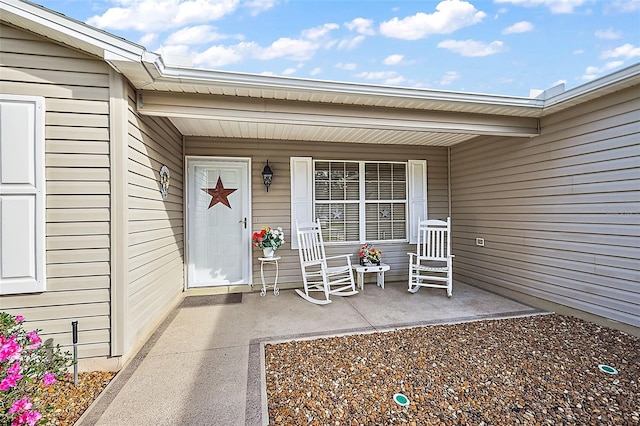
[(379, 269), (264, 260)]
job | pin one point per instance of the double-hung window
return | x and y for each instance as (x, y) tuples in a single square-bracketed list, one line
[(361, 201), (358, 201)]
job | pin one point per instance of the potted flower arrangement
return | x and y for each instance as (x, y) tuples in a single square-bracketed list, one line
[(268, 239), (369, 255)]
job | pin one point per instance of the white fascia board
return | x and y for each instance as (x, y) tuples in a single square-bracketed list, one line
[(255, 81), (41, 16)]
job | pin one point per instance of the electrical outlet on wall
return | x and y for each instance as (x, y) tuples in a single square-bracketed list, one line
[(480, 242)]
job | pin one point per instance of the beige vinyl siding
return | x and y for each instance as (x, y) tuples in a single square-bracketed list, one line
[(560, 213), (273, 208), (76, 91), (155, 226)]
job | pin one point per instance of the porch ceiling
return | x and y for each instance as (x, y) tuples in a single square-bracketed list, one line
[(254, 130), (220, 116), (295, 132)]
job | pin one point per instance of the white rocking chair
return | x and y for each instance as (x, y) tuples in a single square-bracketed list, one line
[(431, 265), (317, 275)]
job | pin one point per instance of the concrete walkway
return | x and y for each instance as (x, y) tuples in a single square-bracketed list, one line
[(204, 364)]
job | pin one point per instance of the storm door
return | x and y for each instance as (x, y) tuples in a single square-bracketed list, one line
[(218, 215)]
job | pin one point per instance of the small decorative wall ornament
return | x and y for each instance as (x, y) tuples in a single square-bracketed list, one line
[(165, 177), (337, 214), (384, 213)]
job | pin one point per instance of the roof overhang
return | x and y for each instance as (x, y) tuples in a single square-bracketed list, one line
[(624, 79), (246, 117), (126, 57), (238, 105)]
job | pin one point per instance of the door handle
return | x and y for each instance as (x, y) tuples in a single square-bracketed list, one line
[(244, 221)]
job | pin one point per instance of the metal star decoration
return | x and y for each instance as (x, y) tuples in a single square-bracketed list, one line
[(219, 194), (384, 213), (336, 214)]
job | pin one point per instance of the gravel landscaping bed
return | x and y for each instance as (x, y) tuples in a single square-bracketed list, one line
[(532, 370), (71, 401)]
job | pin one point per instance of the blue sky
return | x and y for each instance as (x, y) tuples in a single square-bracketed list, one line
[(505, 47)]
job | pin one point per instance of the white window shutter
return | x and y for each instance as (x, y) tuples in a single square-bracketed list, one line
[(22, 195), (417, 196), (301, 194)]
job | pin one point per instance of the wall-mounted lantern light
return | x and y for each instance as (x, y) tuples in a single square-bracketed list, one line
[(267, 175)]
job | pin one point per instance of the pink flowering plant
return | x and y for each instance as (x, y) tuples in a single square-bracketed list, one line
[(27, 365)]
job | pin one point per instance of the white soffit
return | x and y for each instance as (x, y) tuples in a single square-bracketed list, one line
[(230, 129)]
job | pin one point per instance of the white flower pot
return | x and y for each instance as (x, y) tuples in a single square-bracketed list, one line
[(268, 252)]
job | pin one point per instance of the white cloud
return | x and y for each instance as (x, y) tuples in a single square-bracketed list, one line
[(217, 56), (393, 59), (609, 34), (519, 27), (148, 39), (199, 34), (377, 75), (450, 15), (349, 66), (316, 71), (150, 15), (555, 6), (295, 49), (626, 6), (361, 26), (289, 71), (350, 43), (257, 6), (301, 49), (449, 77), (174, 50), (625, 51), (394, 81), (472, 47), (385, 77), (592, 72), (319, 32)]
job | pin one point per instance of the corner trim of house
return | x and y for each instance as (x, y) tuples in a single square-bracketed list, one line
[(118, 108)]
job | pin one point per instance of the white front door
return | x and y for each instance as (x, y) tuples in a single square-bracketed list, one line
[(218, 215)]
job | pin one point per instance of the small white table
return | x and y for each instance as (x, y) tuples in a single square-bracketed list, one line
[(379, 269), (264, 260)]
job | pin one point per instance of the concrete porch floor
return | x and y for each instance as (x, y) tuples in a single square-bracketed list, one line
[(204, 365)]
